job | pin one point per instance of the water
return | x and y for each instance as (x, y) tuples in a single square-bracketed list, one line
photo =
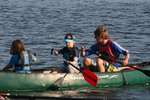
[(41, 25), (124, 93)]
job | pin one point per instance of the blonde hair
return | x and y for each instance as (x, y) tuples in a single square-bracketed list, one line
[(102, 32)]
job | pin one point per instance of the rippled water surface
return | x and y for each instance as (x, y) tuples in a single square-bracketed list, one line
[(41, 25)]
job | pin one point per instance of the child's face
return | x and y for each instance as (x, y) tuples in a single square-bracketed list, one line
[(101, 40), (70, 44)]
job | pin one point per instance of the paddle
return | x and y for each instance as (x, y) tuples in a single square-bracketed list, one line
[(146, 72), (89, 76), (60, 80)]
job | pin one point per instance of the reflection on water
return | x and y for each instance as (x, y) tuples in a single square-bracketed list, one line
[(123, 93)]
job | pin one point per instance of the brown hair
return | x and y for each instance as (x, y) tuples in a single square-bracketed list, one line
[(102, 32), (17, 47)]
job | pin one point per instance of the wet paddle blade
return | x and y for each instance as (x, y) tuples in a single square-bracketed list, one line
[(90, 77)]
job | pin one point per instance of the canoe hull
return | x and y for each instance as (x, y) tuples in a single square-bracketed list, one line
[(46, 81)]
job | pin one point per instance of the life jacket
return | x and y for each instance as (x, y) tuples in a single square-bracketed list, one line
[(24, 62), (106, 52), (70, 53)]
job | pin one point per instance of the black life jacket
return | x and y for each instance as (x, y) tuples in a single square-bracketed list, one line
[(70, 53), (24, 62)]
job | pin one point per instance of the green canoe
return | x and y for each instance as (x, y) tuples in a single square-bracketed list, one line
[(10, 81)]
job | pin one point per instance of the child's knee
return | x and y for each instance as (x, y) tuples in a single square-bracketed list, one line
[(99, 61), (87, 61)]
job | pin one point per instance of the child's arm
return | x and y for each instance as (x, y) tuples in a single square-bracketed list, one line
[(87, 52), (120, 50), (32, 56), (12, 63), (55, 51), (125, 61)]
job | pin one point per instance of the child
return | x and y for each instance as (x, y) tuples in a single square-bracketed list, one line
[(108, 52), (21, 59), (70, 53)]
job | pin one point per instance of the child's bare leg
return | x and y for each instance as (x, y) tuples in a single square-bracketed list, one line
[(100, 65), (87, 62)]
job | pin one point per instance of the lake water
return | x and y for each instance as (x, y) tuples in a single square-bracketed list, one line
[(41, 25)]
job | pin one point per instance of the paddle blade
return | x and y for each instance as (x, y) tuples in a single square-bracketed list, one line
[(146, 72), (90, 77)]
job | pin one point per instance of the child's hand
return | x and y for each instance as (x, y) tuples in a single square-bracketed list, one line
[(54, 51), (125, 62)]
